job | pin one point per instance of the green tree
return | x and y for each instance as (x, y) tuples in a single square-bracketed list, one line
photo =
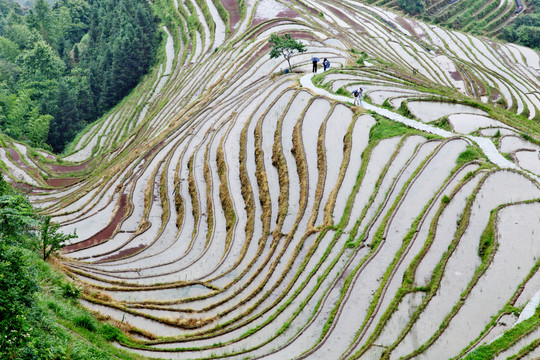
[(41, 20), (412, 7), (37, 128), (76, 53), (20, 35), (21, 119), (525, 30), (11, 114), (17, 218), (9, 74), (79, 11), (285, 46), (51, 239), (40, 63), (8, 49), (8, 10), (18, 285), (66, 121), (3, 185), (529, 36)]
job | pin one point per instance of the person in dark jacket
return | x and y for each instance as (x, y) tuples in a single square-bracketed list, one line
[(326, 64), (358, 94), (315, 61)]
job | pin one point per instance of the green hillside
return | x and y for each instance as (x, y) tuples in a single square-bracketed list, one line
[(497, 18), (40, 317)]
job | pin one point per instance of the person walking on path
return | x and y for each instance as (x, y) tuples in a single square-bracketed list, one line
[(358, 94), (315, 62), (326, 64)]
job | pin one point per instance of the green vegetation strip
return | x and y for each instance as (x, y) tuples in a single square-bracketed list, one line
[(509, 338)]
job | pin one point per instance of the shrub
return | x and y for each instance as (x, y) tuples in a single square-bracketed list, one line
[(86, 321), (18, 285), (470, 154), (110, 333), (443, 124), (386, 129), (83, 351), (343, 92), (54, 306), (386, 104), (404, 110), (318, 79), (412, 7), (70, 291)]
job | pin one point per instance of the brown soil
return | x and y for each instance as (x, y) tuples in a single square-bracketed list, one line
[(153, 151), (104, 234), (341, 15), (289, 13), (23, 187), (61, 182), (14, 155), (303, 35), (69, 168), (234, 12), (126, 253), (495, 94), (311, 10), (255, 57), (481, 87), (401, 21), (286, 14), (456, 75), (261, 29), (360, 28), (297, 34)]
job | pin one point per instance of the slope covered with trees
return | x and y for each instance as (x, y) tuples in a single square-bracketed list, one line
[(63, 67), (40, 317), (525, 29)]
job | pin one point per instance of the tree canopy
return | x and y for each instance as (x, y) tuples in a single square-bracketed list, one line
[(413, 7), (52, 239), (285, 46), (525, 30)]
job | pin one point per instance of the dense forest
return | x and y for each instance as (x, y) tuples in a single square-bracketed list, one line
[(62, 67)]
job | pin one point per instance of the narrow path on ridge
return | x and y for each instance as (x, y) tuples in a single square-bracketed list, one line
[(485, 144)]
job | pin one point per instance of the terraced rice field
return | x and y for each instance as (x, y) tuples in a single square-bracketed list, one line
[(227, 210), (468, 15)]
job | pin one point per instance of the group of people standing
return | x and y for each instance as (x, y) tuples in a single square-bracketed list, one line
[(326, 64), (357, 93)]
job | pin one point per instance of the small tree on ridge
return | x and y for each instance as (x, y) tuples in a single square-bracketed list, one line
[(51, 239), (285, 45)]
